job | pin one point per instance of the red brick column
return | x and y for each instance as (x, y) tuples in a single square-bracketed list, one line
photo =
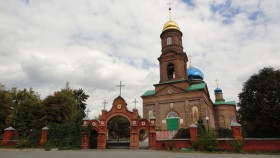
[(193, 132), (152, 133), (8, 135), (236, 130), (43, 135), (84, 141)]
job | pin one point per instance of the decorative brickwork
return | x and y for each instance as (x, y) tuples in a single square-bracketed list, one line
[(119, 108)]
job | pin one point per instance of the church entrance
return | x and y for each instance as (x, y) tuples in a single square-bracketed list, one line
[(119, 128), (172, 121), (118, 132), (93, 139)]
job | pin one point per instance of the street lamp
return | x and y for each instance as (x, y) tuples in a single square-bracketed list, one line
[(207, 119)]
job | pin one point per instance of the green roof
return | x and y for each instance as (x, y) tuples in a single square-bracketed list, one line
[(225, 103), (149, 93), (195, 87), (172, 81)]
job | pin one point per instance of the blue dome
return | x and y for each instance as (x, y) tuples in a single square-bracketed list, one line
[(218, 90), (195, 74)]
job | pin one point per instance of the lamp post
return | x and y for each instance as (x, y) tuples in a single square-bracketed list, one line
[(207, 119)]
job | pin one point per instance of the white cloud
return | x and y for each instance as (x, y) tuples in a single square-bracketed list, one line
[(95, 44)]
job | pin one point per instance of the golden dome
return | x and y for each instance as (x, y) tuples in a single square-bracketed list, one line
[(170, 25)]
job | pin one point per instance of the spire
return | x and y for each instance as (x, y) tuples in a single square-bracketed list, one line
[(170, 24), (218, 92), (169, 3), (217, 83), (190, 58)]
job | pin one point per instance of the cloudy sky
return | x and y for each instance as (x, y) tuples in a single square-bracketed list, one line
[(95, 44)]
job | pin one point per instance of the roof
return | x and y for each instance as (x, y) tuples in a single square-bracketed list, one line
[(225, 103), (195, 87), (9, 129), (172, 81), (149, 93)]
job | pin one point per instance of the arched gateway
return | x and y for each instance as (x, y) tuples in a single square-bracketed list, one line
[(119, 108)]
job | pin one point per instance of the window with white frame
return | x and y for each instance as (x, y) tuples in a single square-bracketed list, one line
[(169, 41)]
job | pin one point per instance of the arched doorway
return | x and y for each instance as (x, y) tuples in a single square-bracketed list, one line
[(93, 139), (131, 123), (172, 121), (143, 139), (118, 128)]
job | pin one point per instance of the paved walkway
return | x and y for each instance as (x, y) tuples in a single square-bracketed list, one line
[(117, 153)]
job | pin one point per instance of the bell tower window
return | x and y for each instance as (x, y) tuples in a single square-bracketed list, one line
[(170, 71), (169, 41)]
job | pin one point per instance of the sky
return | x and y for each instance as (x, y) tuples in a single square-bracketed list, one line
[(95, 44)]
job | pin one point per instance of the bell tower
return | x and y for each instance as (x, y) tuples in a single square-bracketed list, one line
[(173, 60)]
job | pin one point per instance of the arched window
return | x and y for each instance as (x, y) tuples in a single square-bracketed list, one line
[(170, 71), (169, 40), (195, 114), (172, 114)]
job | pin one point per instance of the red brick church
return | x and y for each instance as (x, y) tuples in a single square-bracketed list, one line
[(181, 97)]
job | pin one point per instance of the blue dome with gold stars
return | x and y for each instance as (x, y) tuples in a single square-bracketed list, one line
[(195, 74)]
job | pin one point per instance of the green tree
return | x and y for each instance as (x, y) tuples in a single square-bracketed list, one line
[(260, 104), (64, 113), (27, 113), (65, 106), (6, 106)]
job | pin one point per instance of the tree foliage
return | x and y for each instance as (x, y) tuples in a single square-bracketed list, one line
[(260, 104), (6, 106), (62, 112), (118, 128), (27, 112), (65, 106)]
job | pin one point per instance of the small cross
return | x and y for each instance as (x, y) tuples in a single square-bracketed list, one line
[(135, 101), (104, 103), (169, 4), (190, 57), (217, 82), (120, 87), (87, 111)]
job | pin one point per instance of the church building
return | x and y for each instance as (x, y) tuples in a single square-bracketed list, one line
[(181, 97)]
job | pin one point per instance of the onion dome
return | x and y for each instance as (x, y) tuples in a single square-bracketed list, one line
[(218, 90), (195, 74), (170, 25)]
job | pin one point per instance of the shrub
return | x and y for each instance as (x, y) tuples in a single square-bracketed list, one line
[(207, 140), (237, 145), (64, 136), (23, 143)]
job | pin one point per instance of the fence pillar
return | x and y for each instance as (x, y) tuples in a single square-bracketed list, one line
[(43, 138), (193, 132), (85, 139), (9, 134), (152, 133), (236, 130)]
